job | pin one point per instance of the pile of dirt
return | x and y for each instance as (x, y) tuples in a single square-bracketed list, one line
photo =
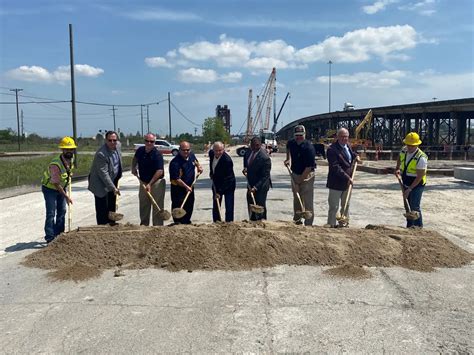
[(87, 251)]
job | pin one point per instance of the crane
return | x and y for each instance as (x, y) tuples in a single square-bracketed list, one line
[(360, 140), (275, 118)]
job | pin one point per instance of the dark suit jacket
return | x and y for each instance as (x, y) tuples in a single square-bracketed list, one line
[(339, 167), (223, 177), (258, 171)]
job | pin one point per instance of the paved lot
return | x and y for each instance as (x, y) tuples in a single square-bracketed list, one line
[(282, 309)]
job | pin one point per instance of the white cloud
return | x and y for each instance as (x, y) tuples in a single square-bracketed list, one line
[(231, 77), (196, 75), (377, 6), (424, 8), (387, 43), (361, 45), (61, 74), (384, 79), (157, 14), (155, 62)]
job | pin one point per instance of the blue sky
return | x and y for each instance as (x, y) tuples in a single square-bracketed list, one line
[(211, 52)]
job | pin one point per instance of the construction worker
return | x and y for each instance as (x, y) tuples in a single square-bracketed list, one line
[(182, 174), (106, 170), (148, 161), (412, 163), (301, 155), (54, 184)]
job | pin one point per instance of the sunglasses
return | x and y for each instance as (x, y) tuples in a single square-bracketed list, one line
[(112, 140), (147, 141)]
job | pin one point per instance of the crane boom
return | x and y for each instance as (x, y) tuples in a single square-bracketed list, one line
[(365, 122), (275, 121)]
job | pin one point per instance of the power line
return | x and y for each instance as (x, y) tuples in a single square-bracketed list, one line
[(182, 114)]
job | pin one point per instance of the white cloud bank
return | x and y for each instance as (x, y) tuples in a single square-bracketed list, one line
[(195, 75), (377, 6), (61, 74), (386, 43)]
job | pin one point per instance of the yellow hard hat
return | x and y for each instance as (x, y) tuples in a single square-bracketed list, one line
[(67, 143), (412, 138)]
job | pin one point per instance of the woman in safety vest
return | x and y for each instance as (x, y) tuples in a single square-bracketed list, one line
[(412, 164), (54, 184)]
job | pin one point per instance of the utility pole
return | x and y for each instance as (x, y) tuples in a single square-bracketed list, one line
[(148, 118), (195, 132), (73, 86), (330, 63), (113, 114), (17, 116), (141, 115), (22, 126), (169, 113)]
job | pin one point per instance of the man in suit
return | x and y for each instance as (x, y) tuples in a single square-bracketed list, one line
[(340, 159), (257, 166), (223, 181), (105, 173)]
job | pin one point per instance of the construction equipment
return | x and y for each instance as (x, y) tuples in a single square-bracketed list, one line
[(180, 212), (264, 102), (360, 140), (343, 218), (162, 213), (303, 213), (409, 214)]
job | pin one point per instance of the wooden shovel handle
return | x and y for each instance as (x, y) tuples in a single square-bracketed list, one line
[(189, 192), (149, 194), (349, 190), (293, 187)]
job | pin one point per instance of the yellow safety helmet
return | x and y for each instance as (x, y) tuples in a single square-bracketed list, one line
[(412, 138), (67, 143)]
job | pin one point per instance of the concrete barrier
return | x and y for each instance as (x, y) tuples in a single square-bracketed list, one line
[(464, 173)]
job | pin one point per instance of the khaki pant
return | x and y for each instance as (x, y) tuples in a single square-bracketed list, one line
[(158, 193), (306, 189), (335, 198)]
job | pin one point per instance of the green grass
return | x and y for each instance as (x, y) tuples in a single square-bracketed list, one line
[(16, 171)]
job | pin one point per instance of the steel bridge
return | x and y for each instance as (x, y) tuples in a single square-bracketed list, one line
[(439, 123)]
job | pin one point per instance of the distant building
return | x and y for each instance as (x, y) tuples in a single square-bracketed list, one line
[(224, 113)]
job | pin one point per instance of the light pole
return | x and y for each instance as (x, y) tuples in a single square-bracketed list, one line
[(330, 63)]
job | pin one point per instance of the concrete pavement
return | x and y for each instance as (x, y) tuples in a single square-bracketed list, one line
[(282, 309)]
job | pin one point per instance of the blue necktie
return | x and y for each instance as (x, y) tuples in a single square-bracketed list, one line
[(348, 155)]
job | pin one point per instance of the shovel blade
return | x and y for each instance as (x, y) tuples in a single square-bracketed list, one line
[(178, 213), (257, 209), (164, 215), (412, 215), (114, 216)]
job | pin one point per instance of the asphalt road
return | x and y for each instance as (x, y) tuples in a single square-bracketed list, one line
[(281, 309)]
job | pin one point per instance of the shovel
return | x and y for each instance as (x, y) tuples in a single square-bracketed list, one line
[(254, 207), (219, 207), (69, 206), (180, 212), (343, 219), (162, 213), (409, 214), (115, 216), (303, 213)]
